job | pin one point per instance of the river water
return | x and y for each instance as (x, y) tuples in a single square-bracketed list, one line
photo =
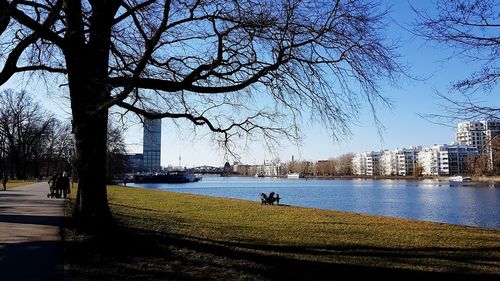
[(473, 203)]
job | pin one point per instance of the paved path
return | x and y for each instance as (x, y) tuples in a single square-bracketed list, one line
[(30, 241)]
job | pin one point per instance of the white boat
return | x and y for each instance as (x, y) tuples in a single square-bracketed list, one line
[(294, 175), (459, 179)]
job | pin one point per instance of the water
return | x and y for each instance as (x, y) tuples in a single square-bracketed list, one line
[(473, 204)]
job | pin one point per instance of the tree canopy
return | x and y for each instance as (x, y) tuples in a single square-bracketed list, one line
[(239, 68), (472, 29)]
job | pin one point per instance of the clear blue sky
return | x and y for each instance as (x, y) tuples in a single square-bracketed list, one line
[(403, 126)]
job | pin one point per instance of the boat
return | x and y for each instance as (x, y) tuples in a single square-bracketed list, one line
[(167, 177), (459, 179), (294, 175)]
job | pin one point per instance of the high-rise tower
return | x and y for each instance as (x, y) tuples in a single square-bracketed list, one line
[(152, 145)]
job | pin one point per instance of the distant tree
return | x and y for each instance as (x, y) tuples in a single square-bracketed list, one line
[(24, 126), (325, 167), (472, 29), (488, 162), (240, 68), (116, 156), (343, 165), (418, 170), (58, 148)]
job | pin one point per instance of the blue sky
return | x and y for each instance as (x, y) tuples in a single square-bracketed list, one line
[(403, 126)]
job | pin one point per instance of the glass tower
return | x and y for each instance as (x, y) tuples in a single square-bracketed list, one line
[(152, 145)]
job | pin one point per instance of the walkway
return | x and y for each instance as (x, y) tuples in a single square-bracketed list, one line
[(30, 241)]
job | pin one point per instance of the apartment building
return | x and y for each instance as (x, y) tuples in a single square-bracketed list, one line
[(444, 160), (270, 169), (399, 162), (367, 163), (479, 134)]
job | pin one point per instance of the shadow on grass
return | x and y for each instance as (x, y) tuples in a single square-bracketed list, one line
[(131, 254), (35, 260)]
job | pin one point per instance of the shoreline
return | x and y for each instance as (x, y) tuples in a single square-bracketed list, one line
[(320, 209), (495, 179)]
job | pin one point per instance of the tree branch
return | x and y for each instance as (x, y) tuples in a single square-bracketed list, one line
[(43, 30)]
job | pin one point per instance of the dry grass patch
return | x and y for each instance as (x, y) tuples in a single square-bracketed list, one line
[(310, 234)]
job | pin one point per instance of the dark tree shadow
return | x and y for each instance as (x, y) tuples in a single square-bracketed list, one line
[(130, 254), (39, 260), (29, 219)]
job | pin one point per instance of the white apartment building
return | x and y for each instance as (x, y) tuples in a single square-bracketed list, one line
[(367, 163), (269, 169), (399, 162), (443, 160), (479, 134)]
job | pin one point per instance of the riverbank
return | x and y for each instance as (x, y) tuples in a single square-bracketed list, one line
[(442, 178), (166, 235), (352, 177)]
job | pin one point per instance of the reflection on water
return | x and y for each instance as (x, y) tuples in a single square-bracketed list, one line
[(470, 203)]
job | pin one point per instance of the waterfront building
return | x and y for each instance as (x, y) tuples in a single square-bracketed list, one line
[(269, 169), (388, 163), (444, 160), (134, 162), (479, 134), (367, 163), (399, 162), (152, 145)]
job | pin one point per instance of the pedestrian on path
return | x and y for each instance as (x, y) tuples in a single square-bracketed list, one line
[(62, 184), (4, 180), (52, 185)]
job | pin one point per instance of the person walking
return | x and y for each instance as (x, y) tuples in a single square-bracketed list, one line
[(63, 185), (52, 185), (5, 178)]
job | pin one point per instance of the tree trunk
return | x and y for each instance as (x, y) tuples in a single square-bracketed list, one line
[(87, 61), (90, 128), (92, 204)]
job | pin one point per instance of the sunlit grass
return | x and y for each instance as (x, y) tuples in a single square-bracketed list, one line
[(309, 234)]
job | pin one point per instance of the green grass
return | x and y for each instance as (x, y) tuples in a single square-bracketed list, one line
[(203, 234)]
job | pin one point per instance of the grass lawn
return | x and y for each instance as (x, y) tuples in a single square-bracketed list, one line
[(173, 236)]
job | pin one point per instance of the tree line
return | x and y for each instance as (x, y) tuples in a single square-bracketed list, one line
[(33, 142), (337, 166)]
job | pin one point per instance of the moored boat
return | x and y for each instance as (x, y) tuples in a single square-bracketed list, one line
[(294, 175), (460, 179), (167, 177)]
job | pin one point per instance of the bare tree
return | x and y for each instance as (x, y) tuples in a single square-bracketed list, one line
[(116, 157), (472, 29), (240, 68), (58, 146), (23, 126), (343, 165)]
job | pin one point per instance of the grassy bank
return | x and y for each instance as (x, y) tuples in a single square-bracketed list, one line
[(166, 235)]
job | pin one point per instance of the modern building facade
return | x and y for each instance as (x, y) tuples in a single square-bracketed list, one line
[(438, 160), (151, 145), (444, 160), (479, 134), (367, 163), (270, 169), (135, 162), (399, 162)]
